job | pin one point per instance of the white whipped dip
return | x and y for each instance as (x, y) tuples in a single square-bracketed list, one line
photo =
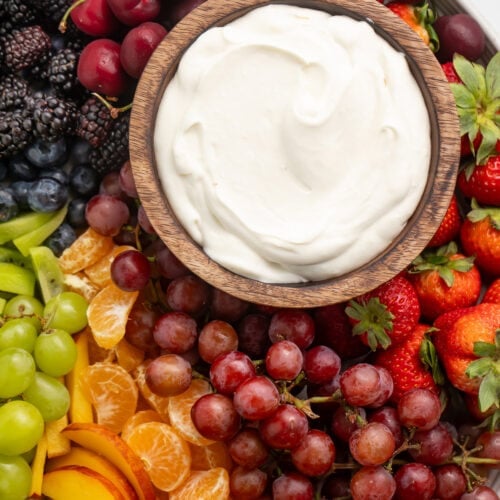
[(292, 145)]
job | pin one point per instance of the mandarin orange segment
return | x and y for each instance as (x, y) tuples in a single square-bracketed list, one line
[(179, 412), (138, 418), (100, 272), (87, 249), (112, 392), (210, 456), (108, 315), (157, 403), (164, 453), (128, 356), (79, 283), (204, 485)]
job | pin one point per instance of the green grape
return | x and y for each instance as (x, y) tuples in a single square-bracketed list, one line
[(67, 311), (15, 478), (55, 352), (29, 455), (25, 305), (48, 395), (21, 427), (18, 332), (17, 369)]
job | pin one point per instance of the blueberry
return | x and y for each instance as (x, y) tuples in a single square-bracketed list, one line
[(8, 205), (56, 174), (22, 169), (80, 152), (3, 171), (20, 190), (47, 195), (60, 239), (57, 42), (76, 212), (45, 154), (84, 180)]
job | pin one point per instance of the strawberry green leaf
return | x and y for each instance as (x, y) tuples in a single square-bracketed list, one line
[(429, 358), (446, 274), (489, 392), (490, 134), (493, 77), (471, 74), (484, 349), (464, 98), (479, 367)]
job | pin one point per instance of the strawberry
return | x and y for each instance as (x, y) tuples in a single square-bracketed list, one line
[(409, 363), (455, 337), (480, 236), (450, 225), (492, 293), (419, 19), (478, 105), (334, 330), (386, 315), (482, 182), (450, 73), (444, 280)]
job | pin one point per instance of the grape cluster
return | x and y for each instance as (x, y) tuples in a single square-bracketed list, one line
[(36, 349)]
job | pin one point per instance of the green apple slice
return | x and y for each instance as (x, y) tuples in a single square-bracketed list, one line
[(22, 224), (48, 273), (16, 279), (39, 235)]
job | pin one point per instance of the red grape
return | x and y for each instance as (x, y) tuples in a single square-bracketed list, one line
[(373, 483), (169, 266), (139, 329), (480, 493), (419, 408), (321, 364), (256, 398), (295, 325), (176, 332), (490, 442), (386, 388), (229, 370), (345, 421), (372, 444), (215, 417), (292, 486), (130, 270), (388, 416), (360, 384), (284, 360), (227, 307), (106, 214), (126, 180), (188, 294), (252, 334), (247, 448), (247, 484), (168, 375), (216, 337), (435, 445), (450, 482), (285, 428), (414, 481), (315, 454)]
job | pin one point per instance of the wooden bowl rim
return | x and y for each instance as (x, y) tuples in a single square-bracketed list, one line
[(405, 247)]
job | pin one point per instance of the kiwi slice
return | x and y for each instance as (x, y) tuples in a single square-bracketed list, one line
[(22, 224), (48, 273), (40, 234), (12, 255), (16, 279)]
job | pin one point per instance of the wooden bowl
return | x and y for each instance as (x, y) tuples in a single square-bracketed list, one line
[(406, 246)]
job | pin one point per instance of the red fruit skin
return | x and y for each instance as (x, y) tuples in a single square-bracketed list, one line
[(436, 297), (450, 225), (450, 73), (454, 338), (484, 183), (95, 18), (492, 293), (401, 300), (99, 68), (333, 329), (482, 240), (138, 45), (135, 12), (404, 364)]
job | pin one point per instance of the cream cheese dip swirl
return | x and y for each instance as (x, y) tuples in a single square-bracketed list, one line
[(292, 145)]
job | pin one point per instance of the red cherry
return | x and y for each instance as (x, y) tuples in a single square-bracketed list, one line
[(99, 69), (138, 45), (93, 17), (135, 12)]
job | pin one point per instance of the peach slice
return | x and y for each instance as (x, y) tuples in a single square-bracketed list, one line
[(78, 483), (37, 467), (57, 444), (86, 458), (105, 442)]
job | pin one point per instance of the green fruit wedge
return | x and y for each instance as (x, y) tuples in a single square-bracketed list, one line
[(2, 304), (48, 273), (16, 279), (39, 235), (13, 256), (22, 224)]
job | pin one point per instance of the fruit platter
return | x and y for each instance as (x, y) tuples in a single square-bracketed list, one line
[(125, 376)]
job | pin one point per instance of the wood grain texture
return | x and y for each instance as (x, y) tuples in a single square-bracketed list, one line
[(409, 243)]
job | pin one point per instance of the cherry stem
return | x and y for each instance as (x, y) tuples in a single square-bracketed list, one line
[(64, 21), (114, 112)]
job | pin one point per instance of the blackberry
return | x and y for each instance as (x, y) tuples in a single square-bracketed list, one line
[(53, 10), (24, 47), (53, 117), (13, 91), (15, 131), (39, 70), (75, 39), (62, 70), (19, 13), (114, 151), (94, 121)]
